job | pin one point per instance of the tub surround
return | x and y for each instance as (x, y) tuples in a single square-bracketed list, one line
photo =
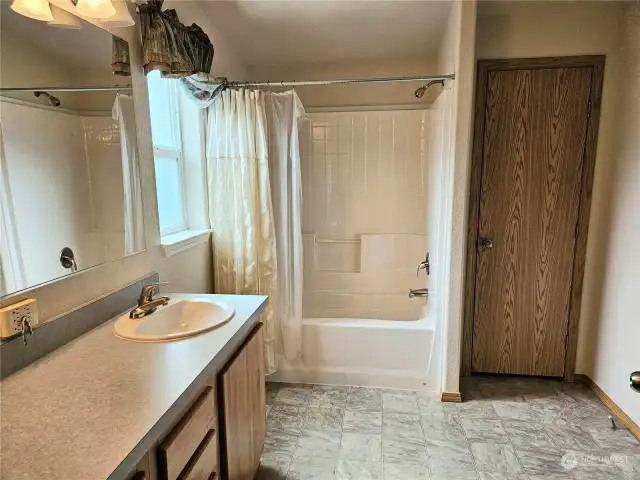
[(95, 407)]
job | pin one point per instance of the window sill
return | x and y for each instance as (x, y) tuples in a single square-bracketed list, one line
[(181, 241)]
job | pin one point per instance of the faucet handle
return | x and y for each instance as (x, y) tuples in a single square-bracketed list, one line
[(426, 265), (148, 290)]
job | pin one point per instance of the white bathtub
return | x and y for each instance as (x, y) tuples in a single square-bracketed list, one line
[(354, 351)]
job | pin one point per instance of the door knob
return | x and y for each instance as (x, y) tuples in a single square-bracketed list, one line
[(485, 243), (635, 381)]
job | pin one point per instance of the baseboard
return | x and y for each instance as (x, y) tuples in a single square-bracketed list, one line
[(452, 397), (611, 405)]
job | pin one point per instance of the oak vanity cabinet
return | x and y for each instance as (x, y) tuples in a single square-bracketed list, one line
[(242, 401), (221, 435)]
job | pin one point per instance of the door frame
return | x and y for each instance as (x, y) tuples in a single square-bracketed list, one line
[(597, 63)]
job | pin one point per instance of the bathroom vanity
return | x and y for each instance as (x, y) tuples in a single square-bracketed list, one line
[(227, 416), (103, 407)]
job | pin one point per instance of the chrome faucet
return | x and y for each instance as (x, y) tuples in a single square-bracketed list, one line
[(146, 303)]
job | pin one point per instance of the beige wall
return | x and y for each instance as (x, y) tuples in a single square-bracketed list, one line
[(189, 271), (356, 95), (606, 350), (610, 324), (446, 57)]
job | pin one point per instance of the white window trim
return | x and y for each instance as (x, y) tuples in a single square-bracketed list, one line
[(191, 157), (176, 153), (184, 240)]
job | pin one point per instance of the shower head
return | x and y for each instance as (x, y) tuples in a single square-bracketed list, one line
[(419, 93), (55, 101)]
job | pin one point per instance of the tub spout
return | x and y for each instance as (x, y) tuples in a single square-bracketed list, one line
[(419, 292)]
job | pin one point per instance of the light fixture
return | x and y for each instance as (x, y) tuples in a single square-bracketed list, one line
[(122, 17), (63, 19), (100, 9), (36, 9)]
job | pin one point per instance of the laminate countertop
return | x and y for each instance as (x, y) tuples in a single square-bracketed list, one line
[(93, 408)]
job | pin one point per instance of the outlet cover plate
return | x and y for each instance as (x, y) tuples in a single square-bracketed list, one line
[(11, 317)]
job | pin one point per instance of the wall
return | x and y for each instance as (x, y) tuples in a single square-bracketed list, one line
[(356, 95), (610, 328), (189, 271)]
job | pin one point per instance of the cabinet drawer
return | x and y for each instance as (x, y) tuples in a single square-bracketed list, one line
[(176, 450), (204, 463)]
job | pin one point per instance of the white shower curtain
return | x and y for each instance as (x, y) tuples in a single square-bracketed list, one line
[(258, 249), (283, 112)]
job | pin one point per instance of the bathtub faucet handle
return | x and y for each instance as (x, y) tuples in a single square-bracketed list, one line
[(424, 265)]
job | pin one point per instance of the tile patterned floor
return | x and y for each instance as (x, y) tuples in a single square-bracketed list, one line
[(507, 429)]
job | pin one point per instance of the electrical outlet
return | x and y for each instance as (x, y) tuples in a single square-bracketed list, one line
[(12, 315)]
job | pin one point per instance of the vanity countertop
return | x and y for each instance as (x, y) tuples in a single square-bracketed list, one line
[(91, 409)]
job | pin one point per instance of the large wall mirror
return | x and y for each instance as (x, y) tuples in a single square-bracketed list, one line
[(69, 182)]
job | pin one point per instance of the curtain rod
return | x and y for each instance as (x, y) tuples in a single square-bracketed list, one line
[(301, 83), (232, 84), (113, 88)]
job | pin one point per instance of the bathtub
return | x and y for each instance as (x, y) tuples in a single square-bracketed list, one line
[(354, 351)]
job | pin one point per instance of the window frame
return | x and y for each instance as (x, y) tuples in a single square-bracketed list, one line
[(172, 152)]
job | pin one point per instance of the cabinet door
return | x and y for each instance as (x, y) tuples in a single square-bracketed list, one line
[(243, 409)]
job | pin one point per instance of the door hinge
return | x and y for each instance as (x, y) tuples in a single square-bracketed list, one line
[(589, 109)]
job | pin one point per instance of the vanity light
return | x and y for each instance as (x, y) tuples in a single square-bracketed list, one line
[(36, 9), (100, 9), (63, 19), (122, 17)]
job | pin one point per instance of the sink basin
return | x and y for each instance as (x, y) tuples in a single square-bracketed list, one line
[(182, 317)]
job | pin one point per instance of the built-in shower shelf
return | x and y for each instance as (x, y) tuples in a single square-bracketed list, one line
[(339, 255)]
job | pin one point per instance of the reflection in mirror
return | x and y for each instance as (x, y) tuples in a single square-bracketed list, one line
[(70, 193)]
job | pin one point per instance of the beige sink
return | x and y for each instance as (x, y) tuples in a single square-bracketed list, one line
[(181, 317)]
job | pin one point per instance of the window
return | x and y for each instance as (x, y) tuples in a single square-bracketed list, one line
[(167, 153)]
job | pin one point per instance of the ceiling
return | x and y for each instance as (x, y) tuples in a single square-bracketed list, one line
[(271, 33), (86, 49)]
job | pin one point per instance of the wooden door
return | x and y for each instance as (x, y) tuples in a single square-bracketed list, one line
[(535, 128), (242, 405)]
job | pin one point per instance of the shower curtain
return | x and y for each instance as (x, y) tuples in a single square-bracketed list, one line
[(124, 113), (252, 146), (283, 112)]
